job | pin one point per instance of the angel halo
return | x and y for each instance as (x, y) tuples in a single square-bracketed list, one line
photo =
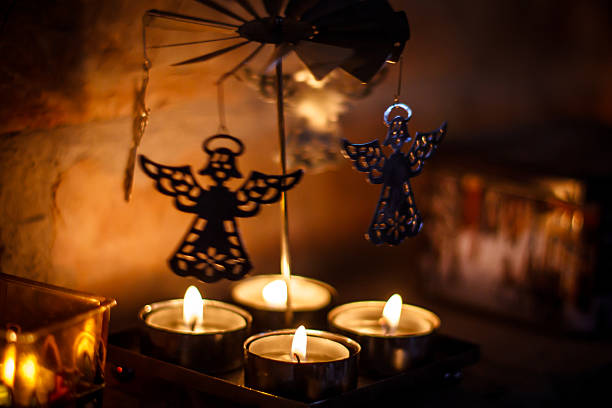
[(212, 248)]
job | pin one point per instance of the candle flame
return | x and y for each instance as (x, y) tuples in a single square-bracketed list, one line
[(391, 313), (193, 307), (275, 293), (298, 345)]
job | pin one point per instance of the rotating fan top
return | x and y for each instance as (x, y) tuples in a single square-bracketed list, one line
[(358, 36)]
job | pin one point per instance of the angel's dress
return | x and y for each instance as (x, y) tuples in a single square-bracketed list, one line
[(212, 247), (396, 215)]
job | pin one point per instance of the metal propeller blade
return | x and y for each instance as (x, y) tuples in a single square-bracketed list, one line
[(241, 64), (210, 55), (366, 62), (371, 28), (321, 59), (401, 25), (215, 6), (273, 7), (248, 7), (194, 42), (355, 35), (180, 22)]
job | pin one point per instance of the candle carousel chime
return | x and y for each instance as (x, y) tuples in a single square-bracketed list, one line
[(358, 36)]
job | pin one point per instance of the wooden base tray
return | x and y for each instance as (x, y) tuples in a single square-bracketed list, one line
[(146, 379)]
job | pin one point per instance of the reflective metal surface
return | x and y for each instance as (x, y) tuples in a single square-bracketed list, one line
[(214, 352), (384, 355), (302, 381), (267, 318)]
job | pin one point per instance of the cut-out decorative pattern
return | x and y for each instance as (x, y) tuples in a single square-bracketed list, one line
[(396, 216), (212, 248)]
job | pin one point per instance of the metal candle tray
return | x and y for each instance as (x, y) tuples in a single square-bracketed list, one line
[(145, 379)]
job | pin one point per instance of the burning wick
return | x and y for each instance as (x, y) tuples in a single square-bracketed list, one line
[(391, 314), (193, 307), (298, 345)]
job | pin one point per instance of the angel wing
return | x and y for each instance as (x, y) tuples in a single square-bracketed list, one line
[(367, 157), (177, 182), (423, 147), (262, 188)]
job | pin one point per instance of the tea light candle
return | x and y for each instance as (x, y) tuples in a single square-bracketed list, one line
[(205, 335), (394, 336), (265, 297), (307, 365)]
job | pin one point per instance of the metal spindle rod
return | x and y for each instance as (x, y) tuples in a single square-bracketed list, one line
[(285, 256)]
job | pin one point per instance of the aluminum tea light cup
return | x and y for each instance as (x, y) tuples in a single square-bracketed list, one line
[(306, 365), (209, 341), (387, 347), (265, 297)]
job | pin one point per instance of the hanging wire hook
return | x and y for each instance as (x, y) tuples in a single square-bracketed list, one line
[(396, 103), (140, 118), (221, 108), (146, 66), (396, 98)]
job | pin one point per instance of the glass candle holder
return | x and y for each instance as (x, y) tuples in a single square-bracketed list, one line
[(52, 342)]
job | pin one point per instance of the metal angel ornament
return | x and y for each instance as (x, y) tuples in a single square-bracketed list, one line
[(358, 36), (396, 216), (212, 248)]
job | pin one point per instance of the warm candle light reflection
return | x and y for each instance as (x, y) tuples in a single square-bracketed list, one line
[(8, 366), (85, 345), (391, 314), (193, 307), (307, 77), (84, 348), (298, 345), (275, 293), (28, 370), (90, 326), (285, 269), (286, 272)]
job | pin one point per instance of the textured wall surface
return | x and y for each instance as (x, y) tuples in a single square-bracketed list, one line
[(68, 75)]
